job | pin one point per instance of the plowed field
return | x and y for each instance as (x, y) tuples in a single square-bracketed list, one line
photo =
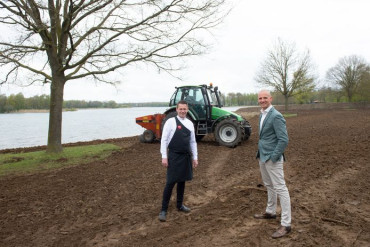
[(115, 202)]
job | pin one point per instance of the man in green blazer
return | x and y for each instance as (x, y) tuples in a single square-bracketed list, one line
[(273, 139)]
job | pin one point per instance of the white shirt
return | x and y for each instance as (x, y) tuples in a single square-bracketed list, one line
[(169, 130), (264, 114)]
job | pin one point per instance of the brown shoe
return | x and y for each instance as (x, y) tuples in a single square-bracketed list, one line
[(281, 232), (265, 216)]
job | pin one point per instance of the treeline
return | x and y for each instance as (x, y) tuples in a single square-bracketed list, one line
[(82, 104), (148, 104), (108, 104), (19, 102), (322, 95), (16, 102), (239, 99)]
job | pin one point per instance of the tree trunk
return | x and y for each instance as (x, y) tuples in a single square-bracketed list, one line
[(55, 116), (286, 100), (350, 96)]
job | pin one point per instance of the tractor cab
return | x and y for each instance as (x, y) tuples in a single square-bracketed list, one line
[(200, 99)]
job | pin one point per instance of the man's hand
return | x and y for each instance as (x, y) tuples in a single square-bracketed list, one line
[(195, 163), (165, 162)]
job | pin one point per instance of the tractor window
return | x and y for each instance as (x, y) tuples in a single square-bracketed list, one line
[(172, 100), (196, 102), (194, 97), (176, 97), (199, 96), (189, 95), (212, 97)]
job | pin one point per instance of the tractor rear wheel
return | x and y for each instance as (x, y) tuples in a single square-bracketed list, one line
[(147, 137), (228, 133), (168, 116)]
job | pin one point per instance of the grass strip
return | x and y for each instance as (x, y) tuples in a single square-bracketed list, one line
[(32, 162), (286, 115)]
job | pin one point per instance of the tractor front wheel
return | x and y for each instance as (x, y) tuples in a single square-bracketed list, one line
[(228, 133)]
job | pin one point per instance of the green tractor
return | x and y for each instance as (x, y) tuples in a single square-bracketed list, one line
[(205, 111)]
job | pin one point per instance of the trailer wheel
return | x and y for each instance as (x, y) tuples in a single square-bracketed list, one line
[(228, 133), (147, 136)]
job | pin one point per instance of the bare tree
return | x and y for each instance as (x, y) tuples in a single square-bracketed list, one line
[(287, 71), (63, 40), (347, 74)]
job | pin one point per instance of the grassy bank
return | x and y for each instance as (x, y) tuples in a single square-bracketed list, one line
[(31, 162)]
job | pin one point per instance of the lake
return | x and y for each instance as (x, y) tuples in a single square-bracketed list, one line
[(31, 129)]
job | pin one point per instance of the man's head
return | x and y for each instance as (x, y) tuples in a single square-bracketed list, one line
[(182, 108), (264, 99)]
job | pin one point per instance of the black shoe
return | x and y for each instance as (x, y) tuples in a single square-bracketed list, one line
[(162, 216), (184, 209)]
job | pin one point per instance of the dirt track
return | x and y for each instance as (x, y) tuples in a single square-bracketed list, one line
[(116, 202)]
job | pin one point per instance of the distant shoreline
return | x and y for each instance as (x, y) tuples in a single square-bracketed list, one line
[(72, 109), (32, 111), (39, 110)]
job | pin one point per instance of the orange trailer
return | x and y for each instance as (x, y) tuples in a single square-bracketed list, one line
[(152, 124)]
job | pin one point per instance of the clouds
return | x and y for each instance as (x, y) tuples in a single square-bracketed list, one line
[(330, 29)]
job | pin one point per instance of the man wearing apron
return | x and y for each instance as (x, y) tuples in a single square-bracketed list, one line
[(178, 138)]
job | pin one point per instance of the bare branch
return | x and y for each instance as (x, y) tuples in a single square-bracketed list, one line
[(94, 37)]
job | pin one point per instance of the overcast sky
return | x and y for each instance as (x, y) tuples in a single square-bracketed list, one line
[(330, 29)]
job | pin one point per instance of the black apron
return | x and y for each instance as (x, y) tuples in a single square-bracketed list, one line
[(179, 156)]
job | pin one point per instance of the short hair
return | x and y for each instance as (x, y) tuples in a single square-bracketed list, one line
[(265, 90), (182, 102)]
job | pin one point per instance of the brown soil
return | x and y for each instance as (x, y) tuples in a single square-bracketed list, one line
[(115, 202)]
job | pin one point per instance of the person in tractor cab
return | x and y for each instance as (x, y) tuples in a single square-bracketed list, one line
[(179, 155)]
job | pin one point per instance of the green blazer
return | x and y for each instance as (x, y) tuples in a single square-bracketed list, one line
[(273, 137)]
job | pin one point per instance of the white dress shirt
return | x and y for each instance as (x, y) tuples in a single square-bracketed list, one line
[(169, 130), (264, 114)]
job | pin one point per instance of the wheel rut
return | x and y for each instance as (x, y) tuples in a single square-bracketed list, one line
[(211, 179)]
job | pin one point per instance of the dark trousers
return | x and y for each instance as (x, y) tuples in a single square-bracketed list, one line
[(168, 192)]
